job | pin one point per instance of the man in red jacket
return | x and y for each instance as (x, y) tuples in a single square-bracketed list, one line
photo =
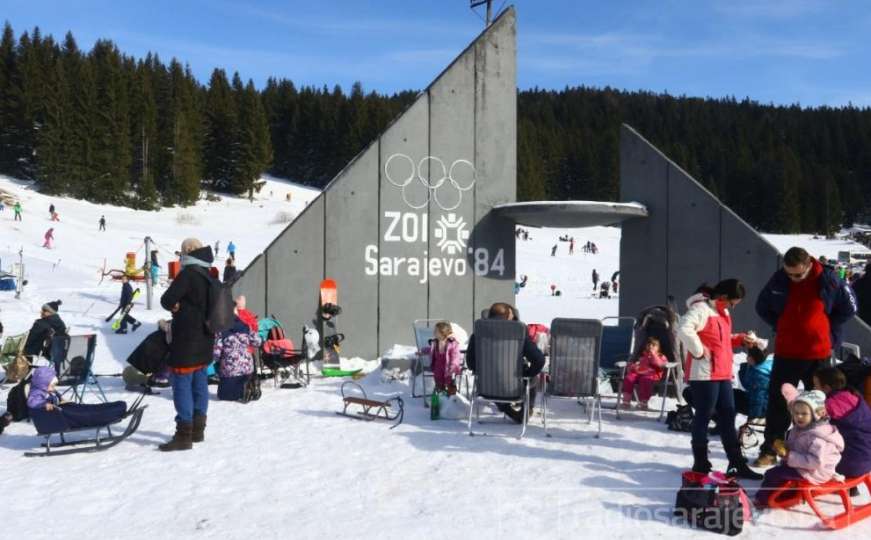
[(806, 304)]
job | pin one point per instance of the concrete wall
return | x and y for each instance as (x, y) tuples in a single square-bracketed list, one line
[(405, 229), (690, 237)]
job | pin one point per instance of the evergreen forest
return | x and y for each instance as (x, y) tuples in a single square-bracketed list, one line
[(106, 127)]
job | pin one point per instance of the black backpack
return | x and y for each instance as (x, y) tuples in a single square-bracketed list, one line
[(680, 419), (16, 401), (220, 307)]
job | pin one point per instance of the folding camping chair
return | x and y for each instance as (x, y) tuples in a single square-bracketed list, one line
[(73, 359), (499, 366), (618, 344), (13, 347), (423, 333), (846, 350), (574, 365)]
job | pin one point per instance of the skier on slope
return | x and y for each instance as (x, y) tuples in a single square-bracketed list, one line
[(49, 236), (595, 280), (553, 250), (231, 250), (102, 223), (17, 209), (126, 300)]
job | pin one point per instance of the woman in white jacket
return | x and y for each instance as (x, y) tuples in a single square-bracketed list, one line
[(706, 332)]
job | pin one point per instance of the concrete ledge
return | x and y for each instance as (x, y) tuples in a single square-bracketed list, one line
[(569, 214)]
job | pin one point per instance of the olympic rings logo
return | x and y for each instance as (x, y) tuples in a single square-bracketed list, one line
[(433, 181)]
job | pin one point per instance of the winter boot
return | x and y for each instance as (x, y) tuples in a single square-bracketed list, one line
[(181, 440), (700, 459), (199, 431), (738, 465)]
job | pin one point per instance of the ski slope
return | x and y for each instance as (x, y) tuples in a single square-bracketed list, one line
[(287, 466)]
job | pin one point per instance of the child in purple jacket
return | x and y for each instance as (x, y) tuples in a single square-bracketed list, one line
[(50, 414), (851, 415)]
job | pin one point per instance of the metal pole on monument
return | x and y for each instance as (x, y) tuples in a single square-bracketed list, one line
[(149, 288)]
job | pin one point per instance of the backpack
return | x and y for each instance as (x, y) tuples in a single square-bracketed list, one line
[(712, 502), (680, 419), (16, 401), (220, 305), (276, 333), (18, 369)]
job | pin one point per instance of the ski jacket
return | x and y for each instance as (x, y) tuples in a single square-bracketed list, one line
[(807, 316), (862, 288), (706, 332), (650, 365), (815, 450), (852, 416), (755, 380), (39, 383), (232, 351), (445, 364), (126, 294), (38, 338), (192, 344)]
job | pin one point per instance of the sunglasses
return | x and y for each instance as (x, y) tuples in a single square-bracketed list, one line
[(797, 275)]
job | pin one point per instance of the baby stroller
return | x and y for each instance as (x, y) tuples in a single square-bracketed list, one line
[(278, 354)]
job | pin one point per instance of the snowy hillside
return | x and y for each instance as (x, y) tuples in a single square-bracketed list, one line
[(287, 466)]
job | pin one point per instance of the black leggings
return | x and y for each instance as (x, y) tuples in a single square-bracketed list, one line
[(714, 399)]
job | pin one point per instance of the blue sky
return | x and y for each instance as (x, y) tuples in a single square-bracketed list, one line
[(813, 52)]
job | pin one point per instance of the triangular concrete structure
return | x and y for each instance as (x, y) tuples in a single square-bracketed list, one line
[(405, 229), (689, 237)]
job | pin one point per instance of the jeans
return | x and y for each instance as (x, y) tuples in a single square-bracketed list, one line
[(712, 398), (190, 395), (777, 418)]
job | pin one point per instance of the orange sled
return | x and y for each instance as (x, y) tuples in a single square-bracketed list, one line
[(797, 491)]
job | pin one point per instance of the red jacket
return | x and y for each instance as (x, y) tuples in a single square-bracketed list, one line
[(803, 329), (706, 332)]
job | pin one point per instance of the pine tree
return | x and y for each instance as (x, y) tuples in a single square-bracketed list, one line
[(221, 132)]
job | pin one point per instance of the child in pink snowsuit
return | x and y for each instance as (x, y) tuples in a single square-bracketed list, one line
[(49, 236), (444, 351), (644, 373)]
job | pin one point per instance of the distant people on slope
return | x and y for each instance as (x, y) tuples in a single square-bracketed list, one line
[(604, 290), (102, 223), (572, 245), (553, 250), (595, 279), (17, 209)]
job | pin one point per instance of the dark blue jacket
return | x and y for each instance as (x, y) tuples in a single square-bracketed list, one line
[(837, 296), (126, 294)]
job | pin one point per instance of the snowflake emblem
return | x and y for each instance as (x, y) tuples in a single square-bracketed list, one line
[(451, 233)]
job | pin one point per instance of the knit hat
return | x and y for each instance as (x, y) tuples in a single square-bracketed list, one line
[(190, 244), (52, 307), (814, 399)]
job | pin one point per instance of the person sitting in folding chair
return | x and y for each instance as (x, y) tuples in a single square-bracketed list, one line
[(49, 324), (44, 398), (531, 353)]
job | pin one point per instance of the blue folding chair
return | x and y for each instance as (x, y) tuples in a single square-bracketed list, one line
[(73, 359)]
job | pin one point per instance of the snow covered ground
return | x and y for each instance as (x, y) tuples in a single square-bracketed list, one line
[(287, 466)]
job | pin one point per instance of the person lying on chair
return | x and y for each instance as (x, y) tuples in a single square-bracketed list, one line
[(532, 355), (44, 404)]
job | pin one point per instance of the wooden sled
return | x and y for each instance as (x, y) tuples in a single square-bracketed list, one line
[(389, 409), (798, 491)]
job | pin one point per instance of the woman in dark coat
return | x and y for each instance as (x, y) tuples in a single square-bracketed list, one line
[(190, 350), (49, 324)]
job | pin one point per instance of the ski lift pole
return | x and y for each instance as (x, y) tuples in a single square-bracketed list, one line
[(20, 284), (148, 284)]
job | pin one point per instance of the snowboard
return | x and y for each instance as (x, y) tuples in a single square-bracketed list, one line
[(117, 323), (327, 312)]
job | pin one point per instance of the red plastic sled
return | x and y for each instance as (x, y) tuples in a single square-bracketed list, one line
[(797, 491)]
